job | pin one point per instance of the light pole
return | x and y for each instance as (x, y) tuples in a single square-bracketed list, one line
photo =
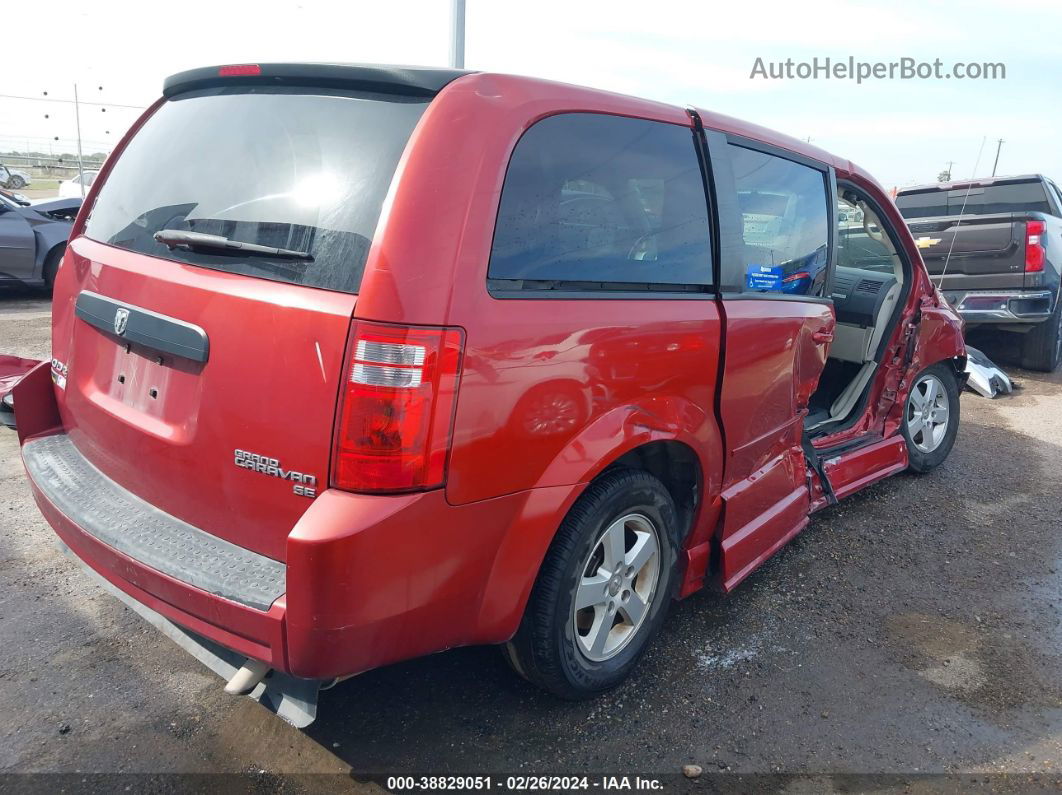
[(457, 34), (999, 146), (80, 166)]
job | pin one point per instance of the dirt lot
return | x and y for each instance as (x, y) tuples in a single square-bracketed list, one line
[(915, 628)]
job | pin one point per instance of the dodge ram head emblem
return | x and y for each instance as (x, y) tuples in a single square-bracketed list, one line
[(121, 320)]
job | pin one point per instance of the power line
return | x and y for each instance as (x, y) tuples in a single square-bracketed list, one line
[(54, 141), (71, 102)]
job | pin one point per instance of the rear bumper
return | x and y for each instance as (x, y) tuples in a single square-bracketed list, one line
[(368, 580), (292, 698), (86, 527), (137, 530), (1001, 306)]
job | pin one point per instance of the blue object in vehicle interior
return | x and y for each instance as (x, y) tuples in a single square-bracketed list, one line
[(764, 277)]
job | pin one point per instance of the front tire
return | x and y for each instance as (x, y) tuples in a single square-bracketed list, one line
[(931, 417), (1041, 348), (603, 590), (51, 265)]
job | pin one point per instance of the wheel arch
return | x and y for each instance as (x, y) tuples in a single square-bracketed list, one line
[(685, 473), (49, 237), (58, 249), (675, 464), (939, 339)]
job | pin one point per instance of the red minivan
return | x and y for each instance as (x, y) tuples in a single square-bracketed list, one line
[(354, 364)]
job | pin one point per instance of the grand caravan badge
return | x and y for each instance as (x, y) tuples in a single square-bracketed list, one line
[(304, 485)]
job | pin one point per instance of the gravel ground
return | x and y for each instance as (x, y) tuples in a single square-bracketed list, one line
[(916, 628)]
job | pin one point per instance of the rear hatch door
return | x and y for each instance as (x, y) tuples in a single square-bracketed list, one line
[(205, 380)]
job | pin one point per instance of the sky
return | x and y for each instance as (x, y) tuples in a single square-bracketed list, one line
[(688, 53)]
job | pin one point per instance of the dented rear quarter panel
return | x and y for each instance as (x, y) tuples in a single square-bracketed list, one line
[(552, 393)]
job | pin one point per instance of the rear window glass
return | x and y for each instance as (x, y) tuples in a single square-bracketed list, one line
[(603, 201), (1016, 197), (287, 169)]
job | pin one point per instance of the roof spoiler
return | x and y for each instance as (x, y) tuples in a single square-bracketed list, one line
[(404, 80), (979, 182)]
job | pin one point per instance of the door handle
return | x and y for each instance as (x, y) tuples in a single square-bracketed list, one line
[(822, 337)]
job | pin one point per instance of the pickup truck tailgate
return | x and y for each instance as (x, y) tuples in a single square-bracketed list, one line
[(985, 251)]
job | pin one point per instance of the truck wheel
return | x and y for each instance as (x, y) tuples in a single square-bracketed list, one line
[(931, 417), (1042, 347), (603, 590), (17, 182)]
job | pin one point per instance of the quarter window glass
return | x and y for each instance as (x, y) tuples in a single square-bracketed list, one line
[(603, 201), (784, 224)]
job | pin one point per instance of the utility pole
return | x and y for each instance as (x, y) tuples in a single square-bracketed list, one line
[(457, 34), (999, 146), (80, 166)]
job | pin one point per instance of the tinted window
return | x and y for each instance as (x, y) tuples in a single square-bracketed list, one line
[(603, 200), (1015, 197), (862, 241), (278, 168), (784, 224)]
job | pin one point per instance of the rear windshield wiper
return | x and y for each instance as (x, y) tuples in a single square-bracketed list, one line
[(176, 238)]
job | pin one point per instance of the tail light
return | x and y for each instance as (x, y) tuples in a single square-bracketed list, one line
[(396, 408), (1034, 246), (796, 277)]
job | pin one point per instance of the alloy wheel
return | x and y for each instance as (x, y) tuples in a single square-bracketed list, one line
[(616, 588), (928, 410)]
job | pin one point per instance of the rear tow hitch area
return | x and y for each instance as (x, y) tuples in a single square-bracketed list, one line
[(292, 698), (247, 678)]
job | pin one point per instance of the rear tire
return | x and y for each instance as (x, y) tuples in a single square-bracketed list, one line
[(931, 417), (1042, 347), (51, 265), (603, 554), (17, 182)]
